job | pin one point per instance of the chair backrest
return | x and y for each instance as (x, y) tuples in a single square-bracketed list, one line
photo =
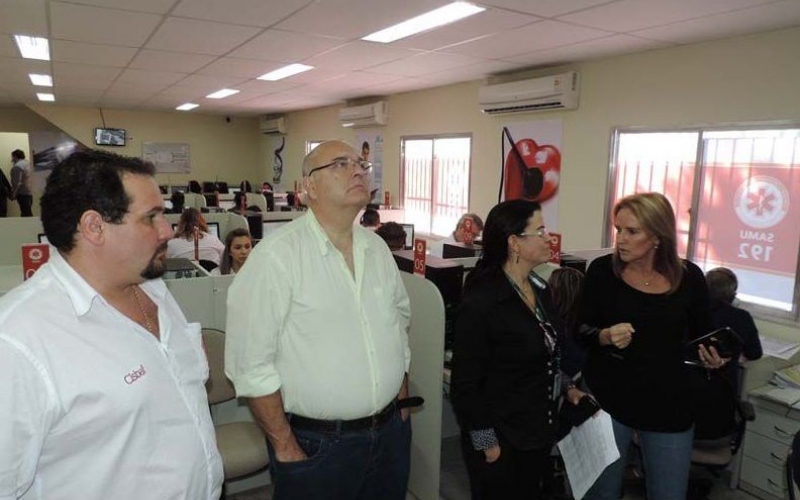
[(219, 388), (258, 200), (194, 200)]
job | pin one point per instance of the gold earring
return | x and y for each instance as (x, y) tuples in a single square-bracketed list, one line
[(517, 262)]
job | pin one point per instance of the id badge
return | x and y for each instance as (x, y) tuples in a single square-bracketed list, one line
[(556, 386)]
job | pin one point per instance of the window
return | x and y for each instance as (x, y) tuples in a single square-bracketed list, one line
[(435, 182), (310, 145), (732, 190)]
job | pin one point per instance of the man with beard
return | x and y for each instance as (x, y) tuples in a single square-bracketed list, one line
[(102, 379)]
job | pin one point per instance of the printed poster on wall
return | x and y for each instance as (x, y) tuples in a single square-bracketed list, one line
[(276, 143), (169, 158), (369, 144), (532, 164)]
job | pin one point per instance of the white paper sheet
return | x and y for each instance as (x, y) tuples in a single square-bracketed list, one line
[(778, 348), (587, 450)]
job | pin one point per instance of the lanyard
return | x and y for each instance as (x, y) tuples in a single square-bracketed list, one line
[(539, 312)]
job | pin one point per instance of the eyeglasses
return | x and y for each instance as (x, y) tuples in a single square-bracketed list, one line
[(342, 164), (541, 233)]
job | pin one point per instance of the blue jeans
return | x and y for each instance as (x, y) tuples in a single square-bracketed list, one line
[(667, 457), (347, 465)]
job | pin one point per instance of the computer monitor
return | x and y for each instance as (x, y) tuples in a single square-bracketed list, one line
[(42, 238), (271, 226), (213, 228), (168, 204), (409, 229)]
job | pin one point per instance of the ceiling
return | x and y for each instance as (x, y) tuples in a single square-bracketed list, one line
[(158, 54)]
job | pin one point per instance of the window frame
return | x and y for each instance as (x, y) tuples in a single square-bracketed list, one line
[(774, 315)]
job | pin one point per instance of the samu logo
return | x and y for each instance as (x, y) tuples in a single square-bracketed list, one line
[(135, 375), (761, 201)]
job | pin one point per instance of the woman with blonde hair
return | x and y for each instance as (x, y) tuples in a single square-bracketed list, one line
[(639, 307)]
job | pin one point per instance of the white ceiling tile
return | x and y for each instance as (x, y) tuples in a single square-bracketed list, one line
[(159, 60), (98, 25), (544, 8), (262, 87), (210, 84), (245, 68), (762, 18), (88, 53), (74, 72), (154, 6), (615, 44), (422, 64), (199, 37), (146, 77), (8, 48), (630, 15), (23, 17), (183, 92), (489, 22), (358, 55), (80, 86), (245, 12), (285, 46), (538, 36), (22, 67)]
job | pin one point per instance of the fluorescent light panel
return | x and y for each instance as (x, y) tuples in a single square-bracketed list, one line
[(285, 72), (46, 97), (41, 80), (221, 94), (33, 47), (187, 106), (450, 13)]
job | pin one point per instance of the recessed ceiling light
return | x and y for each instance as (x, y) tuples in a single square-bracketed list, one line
[(187, 107), (438, 17), (285, 72), (46, 97), (221, 94), (33, 47), (41, 80)]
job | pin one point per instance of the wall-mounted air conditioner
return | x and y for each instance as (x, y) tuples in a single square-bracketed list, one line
[(272, 125), (536, 94), (367, 115)]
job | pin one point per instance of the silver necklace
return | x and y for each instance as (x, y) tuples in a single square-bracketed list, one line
[(147, 323)]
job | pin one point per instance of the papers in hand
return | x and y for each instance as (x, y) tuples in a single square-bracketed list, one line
[(778, 348), (587, 450)]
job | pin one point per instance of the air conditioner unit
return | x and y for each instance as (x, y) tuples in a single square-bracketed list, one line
[(274, 125), (536, 94), (368, 115)]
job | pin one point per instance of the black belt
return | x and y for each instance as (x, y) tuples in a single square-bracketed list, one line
[(371, 422)]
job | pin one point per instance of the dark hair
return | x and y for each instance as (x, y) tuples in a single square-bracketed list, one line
[(267, 185), (505, 219), (565, 288), (178, 200), (722, 284), (370, 218), (87, 180), (393, 234), (245, 187), (194, 187), (227, 261), (365, 145), (654, 212), (190, 219), (18, 154), (237, 200)]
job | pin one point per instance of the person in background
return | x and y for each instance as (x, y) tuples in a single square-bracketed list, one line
[(371, 219), (238, 245), (102, 379), (393, 234), (182, 245), (178, 200), (195, 187), (320, 290), (245, 187), (722, 287), (506, 380), (365, 151), (565, 287), (21, 183), (638, 308), (5, 193), (239, 202), (459, 235), (266, 187)]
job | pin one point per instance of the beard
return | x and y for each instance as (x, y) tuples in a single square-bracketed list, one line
[(157, 266)]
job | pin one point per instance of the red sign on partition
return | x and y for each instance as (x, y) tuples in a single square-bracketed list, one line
[(419, 257), (34, 255), (467, 233), (555, 248), (387, 199)]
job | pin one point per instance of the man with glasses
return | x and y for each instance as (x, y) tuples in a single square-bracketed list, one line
[(320, 346), (469, 227)]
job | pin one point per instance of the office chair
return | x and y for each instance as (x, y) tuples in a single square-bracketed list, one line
[(242, 445), (194, 200), (258, 200)]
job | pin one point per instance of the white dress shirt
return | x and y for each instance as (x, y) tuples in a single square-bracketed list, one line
[(93, 406), (209, 248), (334, 343)]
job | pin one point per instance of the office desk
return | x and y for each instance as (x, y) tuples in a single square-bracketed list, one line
[(766, 444)]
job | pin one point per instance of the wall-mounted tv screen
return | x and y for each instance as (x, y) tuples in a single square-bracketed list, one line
[(109, 136)]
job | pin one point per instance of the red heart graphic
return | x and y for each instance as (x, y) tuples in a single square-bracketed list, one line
[(542, 175)]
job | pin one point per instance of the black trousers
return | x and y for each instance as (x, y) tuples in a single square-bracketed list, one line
[(25, 204), (516, 475)]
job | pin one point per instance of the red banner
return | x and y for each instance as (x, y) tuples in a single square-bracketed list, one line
[(419, 257), (34, 255), (555, 248)]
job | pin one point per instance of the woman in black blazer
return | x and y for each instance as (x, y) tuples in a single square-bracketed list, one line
[(506, 376)]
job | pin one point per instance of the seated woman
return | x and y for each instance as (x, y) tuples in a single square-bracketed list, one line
[(178, 201), (182, 245), (238, 244)]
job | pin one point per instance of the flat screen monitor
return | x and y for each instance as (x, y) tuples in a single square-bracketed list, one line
[(213, 228), (109, 136), (42, 238), (409, 229)]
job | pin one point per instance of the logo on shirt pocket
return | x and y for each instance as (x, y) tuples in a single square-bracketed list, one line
[(135, 375)]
